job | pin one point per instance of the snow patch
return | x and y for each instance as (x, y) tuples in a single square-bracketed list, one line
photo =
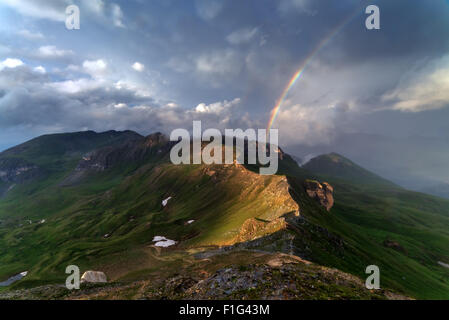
[(159, 238), (163, 242), (190, 221), (165, 202)]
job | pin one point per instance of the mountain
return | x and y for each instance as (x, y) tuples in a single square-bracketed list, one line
[(105, 203), (43, 148), (413, 162), (42, 160), (337, 166)]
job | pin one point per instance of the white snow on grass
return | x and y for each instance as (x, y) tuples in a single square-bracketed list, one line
[(163, 242), (190, 221), (165, 202)]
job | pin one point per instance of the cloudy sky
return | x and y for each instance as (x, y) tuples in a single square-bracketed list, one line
[(157, 65)]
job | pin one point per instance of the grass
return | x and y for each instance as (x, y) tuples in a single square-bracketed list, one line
[(125, 202)]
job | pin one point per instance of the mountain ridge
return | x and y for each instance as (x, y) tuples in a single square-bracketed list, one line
[(107, 219), (338, 166)]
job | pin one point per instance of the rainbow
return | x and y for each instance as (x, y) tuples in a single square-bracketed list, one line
[(304, 65)]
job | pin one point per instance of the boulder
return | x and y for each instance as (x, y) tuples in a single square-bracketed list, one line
[(94, 277), (323, 193)]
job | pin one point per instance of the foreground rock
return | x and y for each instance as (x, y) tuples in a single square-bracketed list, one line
[(94, 277), (251, 275), (322, 192)]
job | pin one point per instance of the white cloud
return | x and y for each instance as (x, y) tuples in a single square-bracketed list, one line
[(41, 9), (120, 105), (423, 90), (40, 69), (96, 68), (117, 15), (217, 107), (139, 67), (98, 104), (53, 52), (95, 6), (139, 90), (75, 86), (241, 36), (171, 105), (11, 63), (31, 35)]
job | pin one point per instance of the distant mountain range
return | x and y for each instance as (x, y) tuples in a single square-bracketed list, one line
[(414, 163), (104, 201), (335, 165)]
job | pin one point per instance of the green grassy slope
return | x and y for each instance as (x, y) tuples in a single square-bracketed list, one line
[(52, 157), (124, 202), (370, 211), (132, 214)]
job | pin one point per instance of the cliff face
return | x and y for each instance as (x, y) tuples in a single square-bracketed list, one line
[(16, 170), (322, 192), (130, 152), (135, 152)]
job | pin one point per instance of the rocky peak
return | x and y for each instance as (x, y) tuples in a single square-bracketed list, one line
[(322, 192)]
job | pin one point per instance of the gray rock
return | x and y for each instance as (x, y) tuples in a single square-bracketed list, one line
[(94, 277)]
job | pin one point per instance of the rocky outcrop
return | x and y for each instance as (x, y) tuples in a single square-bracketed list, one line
[(322, 192), (94, 277), (268, 198), (255, 228), (132, 152), (16, 170)]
